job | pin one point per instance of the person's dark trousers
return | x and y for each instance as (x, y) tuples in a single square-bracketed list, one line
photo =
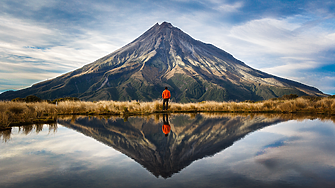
[(165, 104), (166, 119)]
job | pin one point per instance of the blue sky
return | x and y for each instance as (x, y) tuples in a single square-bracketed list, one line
[(42, 39)]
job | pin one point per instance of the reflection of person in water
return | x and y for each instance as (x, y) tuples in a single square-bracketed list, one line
[(166, 128)]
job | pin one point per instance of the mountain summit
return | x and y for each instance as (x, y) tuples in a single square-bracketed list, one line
[(166, 56)]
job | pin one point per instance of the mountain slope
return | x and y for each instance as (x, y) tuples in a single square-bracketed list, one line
[(166, 56)]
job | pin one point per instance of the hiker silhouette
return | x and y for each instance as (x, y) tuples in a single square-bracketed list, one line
[(166, 96)]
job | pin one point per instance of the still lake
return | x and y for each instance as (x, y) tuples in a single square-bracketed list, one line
[(200, 150)]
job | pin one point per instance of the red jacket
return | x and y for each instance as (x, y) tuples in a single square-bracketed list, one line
[(166, 94), (166, 129)]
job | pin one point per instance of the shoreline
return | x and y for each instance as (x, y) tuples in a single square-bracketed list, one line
[(49, 119), (16, 113)]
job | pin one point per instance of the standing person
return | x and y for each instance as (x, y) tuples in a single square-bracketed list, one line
[(166, 96)]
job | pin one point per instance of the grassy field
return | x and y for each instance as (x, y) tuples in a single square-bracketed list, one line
[(15, 113)]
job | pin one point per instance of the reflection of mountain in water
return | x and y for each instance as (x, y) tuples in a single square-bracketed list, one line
[(190, 139)]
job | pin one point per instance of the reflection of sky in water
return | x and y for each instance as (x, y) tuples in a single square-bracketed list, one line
[(288, 154)]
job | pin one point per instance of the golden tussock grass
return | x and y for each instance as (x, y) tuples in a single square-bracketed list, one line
[(20, 112)]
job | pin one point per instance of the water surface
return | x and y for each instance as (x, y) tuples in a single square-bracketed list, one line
[(199, 151)]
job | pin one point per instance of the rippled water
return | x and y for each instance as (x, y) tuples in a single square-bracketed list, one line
[(199, 151)]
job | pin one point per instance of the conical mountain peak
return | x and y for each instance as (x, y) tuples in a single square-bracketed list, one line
[(164, 31), (166, 24), (162, 56)]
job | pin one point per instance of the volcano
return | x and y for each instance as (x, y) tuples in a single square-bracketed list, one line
[(165, 56)]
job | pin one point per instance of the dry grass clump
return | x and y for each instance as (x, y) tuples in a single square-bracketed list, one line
[(119, 107), (19, 112), (324, 105)]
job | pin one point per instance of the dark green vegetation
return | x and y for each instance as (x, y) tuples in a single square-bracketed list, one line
[(165, 56), (32, 98)]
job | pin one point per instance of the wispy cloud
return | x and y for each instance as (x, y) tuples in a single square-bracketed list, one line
[(60, 36), (230, 7), (280, 37), (29, 51)]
